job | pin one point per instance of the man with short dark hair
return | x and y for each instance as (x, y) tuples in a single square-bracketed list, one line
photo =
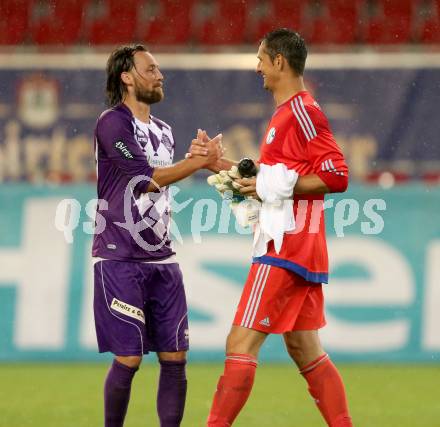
[(139, 300), (283, 293)]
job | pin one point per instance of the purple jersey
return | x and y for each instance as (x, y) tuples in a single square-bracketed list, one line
[(136, 222)]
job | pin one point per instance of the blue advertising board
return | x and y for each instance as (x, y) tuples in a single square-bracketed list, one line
[(382, 118), (383, 299)]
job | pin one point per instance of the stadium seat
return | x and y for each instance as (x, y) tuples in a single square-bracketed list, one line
[(227, 25), (62, 25), (429, 30), (282, 13), (14, 21), (117, 25), (389, 21), (333, 22), (171, 26), (221, 22)]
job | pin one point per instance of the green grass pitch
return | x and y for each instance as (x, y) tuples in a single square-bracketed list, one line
[(70, 395)]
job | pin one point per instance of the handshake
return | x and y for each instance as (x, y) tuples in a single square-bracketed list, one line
[(208, 151), (236, 182)]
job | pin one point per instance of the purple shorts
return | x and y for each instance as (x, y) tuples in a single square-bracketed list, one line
[(139, 307)]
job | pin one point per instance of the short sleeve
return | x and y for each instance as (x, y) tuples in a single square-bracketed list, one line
[(115, 138), (323, 152)]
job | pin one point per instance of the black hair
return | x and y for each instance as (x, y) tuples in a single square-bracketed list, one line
[(289, 44), (120, 60)]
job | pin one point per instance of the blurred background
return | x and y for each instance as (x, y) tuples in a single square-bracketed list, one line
[(374, 67)]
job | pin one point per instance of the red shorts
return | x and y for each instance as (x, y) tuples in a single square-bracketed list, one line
[(276, 300)]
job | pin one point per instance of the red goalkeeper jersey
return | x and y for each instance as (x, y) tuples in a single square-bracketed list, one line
[(299, 136)]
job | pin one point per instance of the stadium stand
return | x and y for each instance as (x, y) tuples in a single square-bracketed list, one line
[(157, 18), (230, 26), (58, 22), (115, 22), (279, 13), (428, 30), (334, 22), (207, 23), (231, 15), (389, 22), (14, 21)]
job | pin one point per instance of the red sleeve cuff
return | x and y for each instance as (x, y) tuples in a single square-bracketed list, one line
[(335, 183)]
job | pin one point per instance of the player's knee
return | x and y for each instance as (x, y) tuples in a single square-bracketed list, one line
[(230, 342), (297, 346), (295, 350), (303, 347), (236, 345), (177, 356), (130, 361), (244, 341)]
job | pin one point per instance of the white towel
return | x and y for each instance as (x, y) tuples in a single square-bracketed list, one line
[(275, 186)]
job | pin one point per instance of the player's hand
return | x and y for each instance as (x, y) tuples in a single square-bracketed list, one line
[(248, 187), (196, 150), (203, 146), (214, 147), (221, 163), (203, 138), (212, 151), (199, 146)]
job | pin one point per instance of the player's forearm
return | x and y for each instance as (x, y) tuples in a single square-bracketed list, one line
[(310, 184), (223, 165), (171, 174)]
